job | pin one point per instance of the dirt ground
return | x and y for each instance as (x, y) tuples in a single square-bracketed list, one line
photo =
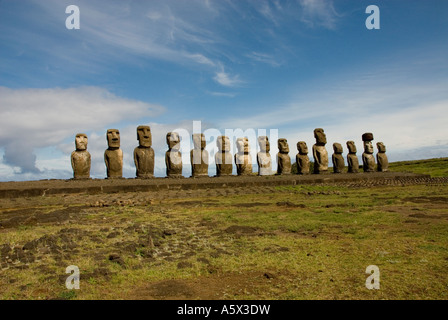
[(82, 225)]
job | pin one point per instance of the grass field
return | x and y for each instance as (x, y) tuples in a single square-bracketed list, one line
[(290, 242), (437, 167)]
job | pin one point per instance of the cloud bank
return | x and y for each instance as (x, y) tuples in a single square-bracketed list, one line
[(31, 119)]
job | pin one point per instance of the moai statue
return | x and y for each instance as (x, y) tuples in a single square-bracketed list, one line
[(320, 154), (113, 156), (144, 154), (368, 160), (223, 158), (264, 157), (199, 156), (243, 159), (381, 158), (283, 159), (173, 157), (302, 159), (352, 158), (337, 158), (80, 158)]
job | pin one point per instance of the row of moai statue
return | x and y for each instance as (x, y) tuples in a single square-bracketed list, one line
[(199, 156)]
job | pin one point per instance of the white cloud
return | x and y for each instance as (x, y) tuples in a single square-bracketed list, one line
[(226, 79), (319, 13), (263, 58), (39, 118)]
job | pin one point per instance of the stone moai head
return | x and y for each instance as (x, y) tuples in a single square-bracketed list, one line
[(113, 138), (351, 146), (321, 138), (199, 141), (337, 147), (283, 146), (173, 140), (81, 141), (381, 147), (144, 136), (223, 143), (243, 145), (367, 139), (302, 147), (264, 144)]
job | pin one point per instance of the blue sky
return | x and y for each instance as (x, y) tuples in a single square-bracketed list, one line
[(285, 67)]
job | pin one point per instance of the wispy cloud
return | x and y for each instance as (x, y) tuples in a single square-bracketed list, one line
[(263, 58), (319, 13), (227, 80), (222, 94)]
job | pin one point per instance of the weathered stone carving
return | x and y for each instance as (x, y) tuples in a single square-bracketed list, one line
[(223, 158), (368, 160), (199, 156), (80, 158), (283, 159), (173, 157), (302, 159), (113, 156), (264, 157), (243, 159), (352, 158), (337, 158), (144, 154), (381, 158), (320, 154)]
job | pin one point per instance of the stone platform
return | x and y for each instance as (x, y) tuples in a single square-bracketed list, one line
[(104, 186)]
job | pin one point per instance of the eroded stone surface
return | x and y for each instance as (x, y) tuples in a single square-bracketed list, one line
[(113, 156), (199, 156), (173, 157), (368, 160), (320, 154), (144, 153), (337, 158), (80, 158), (283, 159), (243, 159), (381, 158), (223, 158), (352, 158), (264, 157), (302, 159)]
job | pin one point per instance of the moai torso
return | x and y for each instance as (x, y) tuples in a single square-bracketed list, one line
[(113, 156), (368, 160), (173, 157), (144, 154), (243, 159), (337, 158), (264, 157), (144, 162), (320, 154), (381, 158), (114, 163), (352, 158), (223, 158), (283, 159), (80, 158), (199, 157), (302, 159)]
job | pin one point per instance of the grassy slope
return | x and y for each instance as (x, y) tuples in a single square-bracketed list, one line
[(437, 167)]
